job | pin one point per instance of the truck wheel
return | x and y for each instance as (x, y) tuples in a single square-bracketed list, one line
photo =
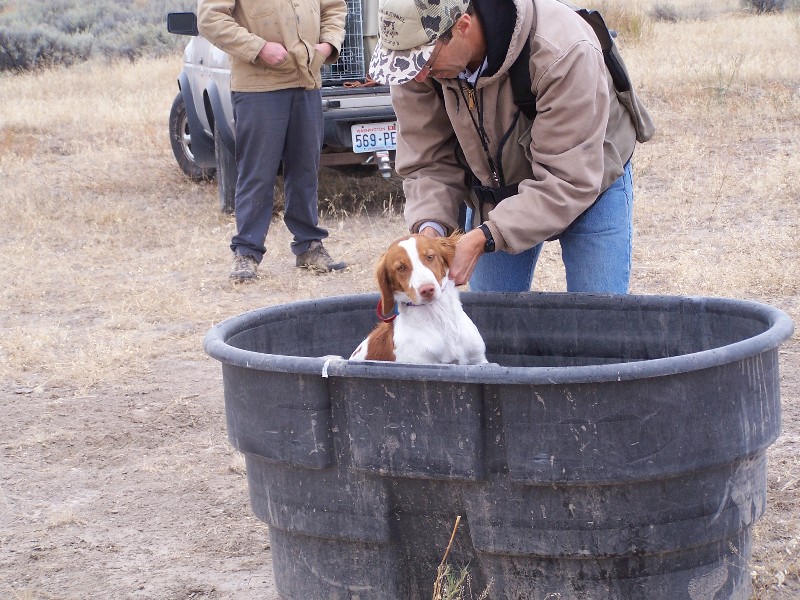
[(181, 139), (227, 174)]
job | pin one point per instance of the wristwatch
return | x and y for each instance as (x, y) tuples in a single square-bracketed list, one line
[(489, 245)]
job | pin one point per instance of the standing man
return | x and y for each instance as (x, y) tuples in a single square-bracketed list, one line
[(277, 50), (563, 173)]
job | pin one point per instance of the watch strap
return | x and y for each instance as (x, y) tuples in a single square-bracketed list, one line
[(489, 246)]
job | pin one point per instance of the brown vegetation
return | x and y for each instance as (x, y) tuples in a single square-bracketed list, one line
[(116, 479)]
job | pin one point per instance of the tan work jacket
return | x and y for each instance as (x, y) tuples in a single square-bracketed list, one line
[(576, 147), (242, 27)]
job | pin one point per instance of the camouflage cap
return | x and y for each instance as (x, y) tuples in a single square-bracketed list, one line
[(408, 30)]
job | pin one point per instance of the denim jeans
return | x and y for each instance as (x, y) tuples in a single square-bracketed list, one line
[(274, 127), (596, 249)]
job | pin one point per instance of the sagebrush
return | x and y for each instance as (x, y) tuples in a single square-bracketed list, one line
[(46, 33)]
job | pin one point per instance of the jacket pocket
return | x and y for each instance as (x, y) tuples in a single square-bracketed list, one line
[(287, 65), (258, 9), (525, 140), (317, 60), (641, 119)]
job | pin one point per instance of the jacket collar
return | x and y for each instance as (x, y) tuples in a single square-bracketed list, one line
[(506, 20)]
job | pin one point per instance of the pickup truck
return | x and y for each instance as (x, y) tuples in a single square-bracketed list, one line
[(360, 127)]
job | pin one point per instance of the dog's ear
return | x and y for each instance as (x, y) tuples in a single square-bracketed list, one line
[(385, 286), (447, 247)]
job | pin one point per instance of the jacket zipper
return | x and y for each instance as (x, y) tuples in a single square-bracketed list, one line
[(471, 98)]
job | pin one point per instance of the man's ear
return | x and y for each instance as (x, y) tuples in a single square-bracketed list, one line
[(463, 24)]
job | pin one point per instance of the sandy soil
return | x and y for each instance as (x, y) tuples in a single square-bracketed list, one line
[(128, 488)]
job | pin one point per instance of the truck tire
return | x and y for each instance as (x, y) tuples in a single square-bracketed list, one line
[(181, 140), (227, 174)]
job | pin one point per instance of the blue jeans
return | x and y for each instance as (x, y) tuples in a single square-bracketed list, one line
[(596, 249), (273, 127)]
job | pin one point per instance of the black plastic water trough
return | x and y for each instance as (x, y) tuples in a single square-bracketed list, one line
[(616, 450)]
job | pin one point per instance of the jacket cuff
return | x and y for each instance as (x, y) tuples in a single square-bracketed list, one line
[(419, 225), (336, 43), (254, 47)]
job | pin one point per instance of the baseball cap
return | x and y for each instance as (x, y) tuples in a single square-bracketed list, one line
[(408, 30)]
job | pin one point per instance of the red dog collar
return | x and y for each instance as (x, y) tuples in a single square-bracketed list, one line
[(381, 316)]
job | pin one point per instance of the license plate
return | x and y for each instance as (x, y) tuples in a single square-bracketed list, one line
[(370, 137)]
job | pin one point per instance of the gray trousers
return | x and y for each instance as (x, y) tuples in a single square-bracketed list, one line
[(285, 125)]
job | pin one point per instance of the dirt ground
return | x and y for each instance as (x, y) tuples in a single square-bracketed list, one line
[(128, 488), (116, 476)]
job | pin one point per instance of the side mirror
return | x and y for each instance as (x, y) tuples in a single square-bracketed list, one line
[(182, 23)]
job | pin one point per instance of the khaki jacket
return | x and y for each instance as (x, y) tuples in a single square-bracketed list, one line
[(242, 27), (576, 147)]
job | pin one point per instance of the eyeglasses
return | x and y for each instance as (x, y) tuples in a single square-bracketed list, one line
[(428, 66)]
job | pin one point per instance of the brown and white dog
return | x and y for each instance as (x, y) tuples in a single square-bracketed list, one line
[(424, 321)]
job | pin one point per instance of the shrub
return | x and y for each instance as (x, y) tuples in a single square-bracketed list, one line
[(38, 33), (41, 46), (765, 6), (665, 12)]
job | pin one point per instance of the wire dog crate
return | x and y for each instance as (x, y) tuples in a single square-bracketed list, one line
[(350, 65)]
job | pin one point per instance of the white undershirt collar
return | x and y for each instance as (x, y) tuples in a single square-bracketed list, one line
[(471, 77)]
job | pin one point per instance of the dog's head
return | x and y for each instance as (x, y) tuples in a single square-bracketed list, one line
[(414, 269)]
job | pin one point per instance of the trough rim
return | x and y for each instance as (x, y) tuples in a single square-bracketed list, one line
[(779, 328)]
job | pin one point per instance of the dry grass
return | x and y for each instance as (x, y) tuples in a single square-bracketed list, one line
[(453, 583), (115, 266)]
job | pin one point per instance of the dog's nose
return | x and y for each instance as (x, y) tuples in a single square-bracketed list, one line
[(427, 291)]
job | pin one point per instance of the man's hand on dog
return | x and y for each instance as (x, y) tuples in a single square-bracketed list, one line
[(468, 250)]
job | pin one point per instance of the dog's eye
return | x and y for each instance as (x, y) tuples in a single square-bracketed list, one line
[(401, 267), (430, 257)]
